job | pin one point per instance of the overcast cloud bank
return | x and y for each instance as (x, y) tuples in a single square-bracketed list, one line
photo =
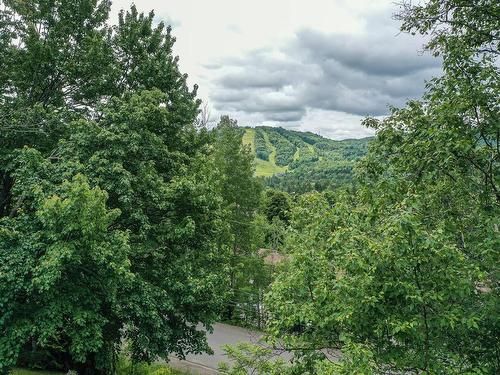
[(318, 76), (320, 65)]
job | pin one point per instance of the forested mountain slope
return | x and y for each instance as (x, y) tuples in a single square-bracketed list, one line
[(302, 161)]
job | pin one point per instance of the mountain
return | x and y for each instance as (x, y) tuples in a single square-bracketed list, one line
[(303, 161)]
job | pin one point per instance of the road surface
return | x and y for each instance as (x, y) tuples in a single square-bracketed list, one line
[(223, 334)]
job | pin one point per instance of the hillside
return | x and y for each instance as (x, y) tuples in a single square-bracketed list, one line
[(303, 161)]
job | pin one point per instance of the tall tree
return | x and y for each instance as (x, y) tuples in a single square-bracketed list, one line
[(277, 205), (111, 215), (241, 194)]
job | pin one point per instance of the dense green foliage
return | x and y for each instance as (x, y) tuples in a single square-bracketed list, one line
[(277, 205), (261, 150), (402, 273), (254, 222), (241, 197), (127, 367), (112, 222), (312, 174), (313, 162), (125, 226), (285, 150)]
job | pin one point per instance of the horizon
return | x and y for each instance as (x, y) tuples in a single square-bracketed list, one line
[(304, 131)]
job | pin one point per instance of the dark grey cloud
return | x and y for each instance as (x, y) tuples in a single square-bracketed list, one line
[(357, 74), (255, 78), (273, 103), (377, 54)]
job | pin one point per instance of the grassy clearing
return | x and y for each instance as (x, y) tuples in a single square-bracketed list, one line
[(263, 168), (269, 145), (248, 139), (266, 168)]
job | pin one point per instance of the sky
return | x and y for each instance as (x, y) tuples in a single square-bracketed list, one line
[(315, 65)]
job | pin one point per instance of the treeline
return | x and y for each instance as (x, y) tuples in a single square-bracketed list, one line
[(314, 175), (314, 163)]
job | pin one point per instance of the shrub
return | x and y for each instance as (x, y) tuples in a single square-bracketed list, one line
[(126, 367)]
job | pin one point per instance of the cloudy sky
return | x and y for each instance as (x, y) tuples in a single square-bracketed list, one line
[(317, 65)]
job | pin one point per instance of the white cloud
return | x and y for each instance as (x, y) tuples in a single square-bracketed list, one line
[(248, 59)]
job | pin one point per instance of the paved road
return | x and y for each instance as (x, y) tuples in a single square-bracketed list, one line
[(223, 334)]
